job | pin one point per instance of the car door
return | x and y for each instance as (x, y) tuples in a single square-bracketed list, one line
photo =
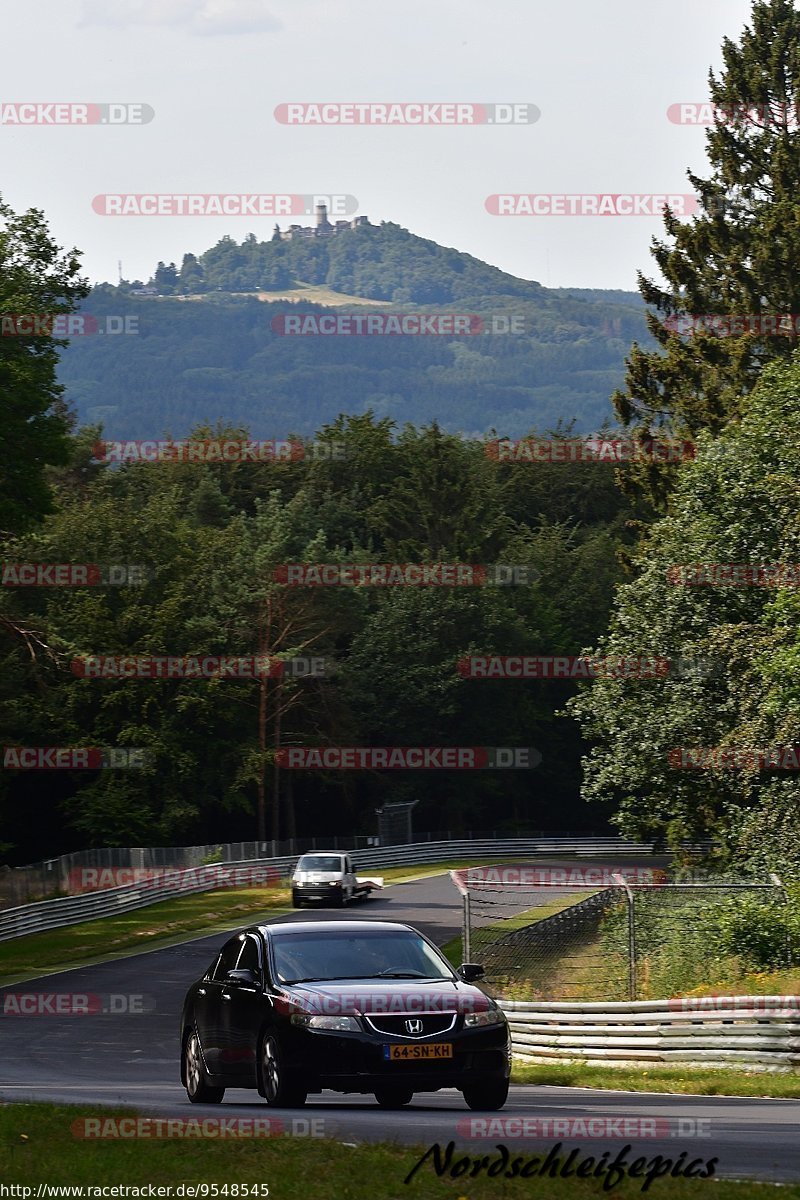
[(349, 881), (208, 1006), (241, 1013)]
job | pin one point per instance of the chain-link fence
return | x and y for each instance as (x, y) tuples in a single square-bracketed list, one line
[(678, 935), (597, 933), (541, 940)]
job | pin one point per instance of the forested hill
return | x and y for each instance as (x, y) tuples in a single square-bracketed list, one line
[(376, 262), (208, 345)]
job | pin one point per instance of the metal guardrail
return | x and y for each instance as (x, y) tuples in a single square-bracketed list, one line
[(57, 876), (106, 902), (760, 1033), (71, 910)]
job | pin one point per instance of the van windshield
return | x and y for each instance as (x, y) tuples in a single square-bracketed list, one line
[(320, 862)]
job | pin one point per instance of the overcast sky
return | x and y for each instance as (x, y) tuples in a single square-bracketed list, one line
[(603, 76)]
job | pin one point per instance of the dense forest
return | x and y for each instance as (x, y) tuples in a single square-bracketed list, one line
[(211, 539), (704, 752)]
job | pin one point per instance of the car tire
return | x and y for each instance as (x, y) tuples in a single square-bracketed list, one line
[(195, 1077), (486, 1097), (394, 1097), (273, 1083)]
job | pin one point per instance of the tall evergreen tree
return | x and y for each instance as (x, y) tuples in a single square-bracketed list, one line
[(738, 258), (37, 279)]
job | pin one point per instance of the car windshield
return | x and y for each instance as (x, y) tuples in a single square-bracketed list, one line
[(362, 955), (320, 862)]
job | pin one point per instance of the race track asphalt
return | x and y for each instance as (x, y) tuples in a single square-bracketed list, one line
[(132, 1058)]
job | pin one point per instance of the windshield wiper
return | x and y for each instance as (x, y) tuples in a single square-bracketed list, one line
[(407, 975), (311, 979)]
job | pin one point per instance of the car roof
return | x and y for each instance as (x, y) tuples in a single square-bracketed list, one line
[(284, 927)]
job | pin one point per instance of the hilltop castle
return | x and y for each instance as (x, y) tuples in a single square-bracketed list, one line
[(321, 228)]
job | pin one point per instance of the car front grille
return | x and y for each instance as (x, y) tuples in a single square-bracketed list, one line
[(412, 1026)]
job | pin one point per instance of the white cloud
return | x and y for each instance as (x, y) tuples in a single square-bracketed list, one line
[(202, 17)]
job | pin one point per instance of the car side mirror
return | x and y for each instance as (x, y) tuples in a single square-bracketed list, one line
[(245, 975), (470, 972)]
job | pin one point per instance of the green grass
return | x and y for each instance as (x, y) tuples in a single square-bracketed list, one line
[(785, 982), (486, 934), (678, 1080), (162, 924), (37, 1146), (149, 928)]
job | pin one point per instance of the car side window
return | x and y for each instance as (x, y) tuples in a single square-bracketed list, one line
[(249, 957), (227, 959)]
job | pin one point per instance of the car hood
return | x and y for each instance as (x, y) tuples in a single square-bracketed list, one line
[(357, 997)]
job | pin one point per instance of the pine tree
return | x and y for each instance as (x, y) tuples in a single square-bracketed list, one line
[(37, 278), (738, 258)]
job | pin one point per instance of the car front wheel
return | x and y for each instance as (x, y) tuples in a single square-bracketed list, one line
[(198, 1089), (273, 1083), (486, 1097)]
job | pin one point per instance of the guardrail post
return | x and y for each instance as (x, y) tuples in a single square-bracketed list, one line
[(465, 938), (789, 947), (632, 980)]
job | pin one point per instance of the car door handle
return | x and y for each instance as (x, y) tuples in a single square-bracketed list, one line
[(201, 991), (226, 996)]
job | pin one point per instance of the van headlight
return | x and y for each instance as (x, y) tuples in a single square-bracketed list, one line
[(333, 1024), (492, 1016)]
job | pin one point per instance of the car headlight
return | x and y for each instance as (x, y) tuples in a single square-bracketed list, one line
[(336, 1024), (492, 1016)]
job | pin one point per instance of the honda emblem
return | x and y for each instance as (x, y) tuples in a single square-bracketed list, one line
[(414, 1025)]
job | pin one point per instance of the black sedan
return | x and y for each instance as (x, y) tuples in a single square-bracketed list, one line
[(353, 1006)]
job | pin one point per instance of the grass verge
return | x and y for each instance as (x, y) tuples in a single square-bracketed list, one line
[(487, 934), (160, 925), (37, 1147), (677, 1080), (148, 928)]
